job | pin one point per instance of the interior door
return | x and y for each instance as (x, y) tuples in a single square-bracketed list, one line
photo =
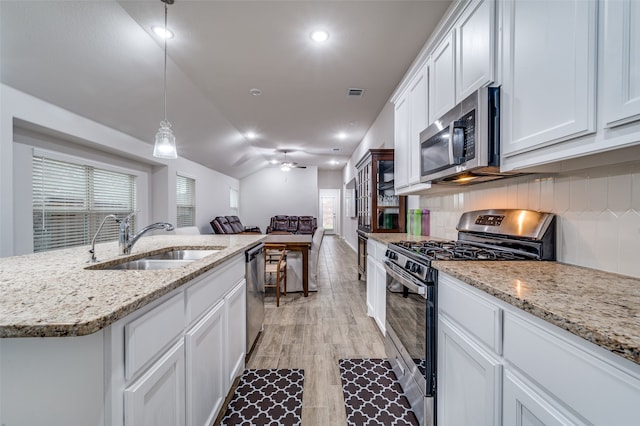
[(329, 210)]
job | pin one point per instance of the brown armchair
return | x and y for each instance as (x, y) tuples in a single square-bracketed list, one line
[(232, 225)]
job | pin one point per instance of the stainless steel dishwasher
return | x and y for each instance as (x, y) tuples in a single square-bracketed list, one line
[(255, 293)]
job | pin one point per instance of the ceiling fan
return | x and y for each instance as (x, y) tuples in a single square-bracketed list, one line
[(286, 166)]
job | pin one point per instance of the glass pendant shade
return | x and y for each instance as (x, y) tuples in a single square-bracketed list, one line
[(165, 146)]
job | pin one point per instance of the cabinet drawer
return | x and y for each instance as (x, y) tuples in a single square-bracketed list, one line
[(148, 334), (471, 310), (598, 390), (210, 288)]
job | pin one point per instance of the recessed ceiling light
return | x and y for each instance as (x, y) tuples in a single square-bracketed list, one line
[(342, 135), (334, 162), (255, 92), (319, 36), (251, 135), (162, 33)]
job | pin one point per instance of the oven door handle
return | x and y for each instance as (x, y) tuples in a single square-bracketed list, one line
[(404, 281)]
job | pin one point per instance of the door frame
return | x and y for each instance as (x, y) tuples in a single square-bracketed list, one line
[(330, 192)]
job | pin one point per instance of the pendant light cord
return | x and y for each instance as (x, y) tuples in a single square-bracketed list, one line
[(165, 60)]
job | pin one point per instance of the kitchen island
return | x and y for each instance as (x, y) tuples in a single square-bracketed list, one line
[(121, 347)]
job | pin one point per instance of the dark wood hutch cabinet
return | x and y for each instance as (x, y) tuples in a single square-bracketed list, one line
[(379, 209)]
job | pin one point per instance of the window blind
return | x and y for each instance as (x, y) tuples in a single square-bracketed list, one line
[(70, 200), (186, 201)]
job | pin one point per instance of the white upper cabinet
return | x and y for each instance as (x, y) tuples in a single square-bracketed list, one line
[(418, 105), (621, 64), (411, 116), (401, 141), (441, 78), (549, 72), (475, 48)]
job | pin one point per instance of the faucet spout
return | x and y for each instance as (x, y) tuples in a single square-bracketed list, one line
[(127, 241)]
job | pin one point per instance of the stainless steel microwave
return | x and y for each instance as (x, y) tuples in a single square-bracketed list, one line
[(463, 146)]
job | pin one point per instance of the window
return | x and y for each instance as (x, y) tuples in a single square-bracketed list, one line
[(233, 202), (186, 201), (70, 201)]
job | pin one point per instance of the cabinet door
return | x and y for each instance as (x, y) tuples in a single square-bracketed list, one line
[(401, 142), (418, 122), (157, 398), (371, 286), (621, 62), (475, 48), (549, 75), (205, 367), (380, 296), (441, 79), (236, 320), (469, 391), (522, 405)]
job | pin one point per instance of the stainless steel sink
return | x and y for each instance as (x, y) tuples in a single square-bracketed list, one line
[(182, 255), (148, 264), (167, 260)]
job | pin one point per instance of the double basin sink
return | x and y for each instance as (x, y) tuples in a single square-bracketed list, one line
[(170, 259)]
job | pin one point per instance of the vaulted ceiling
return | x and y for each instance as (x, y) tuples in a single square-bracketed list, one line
[(100, 59)]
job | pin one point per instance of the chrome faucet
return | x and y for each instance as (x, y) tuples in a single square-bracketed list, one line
[(94, 259), (126, 240)]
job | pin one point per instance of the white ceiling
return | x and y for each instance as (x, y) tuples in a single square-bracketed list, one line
[(100, 59)]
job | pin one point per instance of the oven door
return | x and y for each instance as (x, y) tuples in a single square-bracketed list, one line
[(411, 339)]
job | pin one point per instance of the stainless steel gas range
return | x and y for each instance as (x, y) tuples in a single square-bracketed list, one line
[(411, 298)]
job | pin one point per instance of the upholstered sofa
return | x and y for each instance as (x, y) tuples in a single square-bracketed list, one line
[(293, 224), (232, 225)]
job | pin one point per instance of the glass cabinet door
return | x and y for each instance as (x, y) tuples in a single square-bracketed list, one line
[(388, 207)]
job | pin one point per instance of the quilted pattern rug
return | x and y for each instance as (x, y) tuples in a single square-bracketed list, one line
[(373, 395), (267, 397)]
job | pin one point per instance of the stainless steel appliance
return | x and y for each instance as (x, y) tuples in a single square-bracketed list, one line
[(411, 298), (463, 146), (255, 293)]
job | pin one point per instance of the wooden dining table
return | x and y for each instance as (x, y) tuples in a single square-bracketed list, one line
[(295, 242)]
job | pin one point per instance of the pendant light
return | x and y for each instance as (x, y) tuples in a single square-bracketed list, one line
[(165, 145)]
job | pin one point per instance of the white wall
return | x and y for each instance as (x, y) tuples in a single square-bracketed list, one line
[(598, 211), (329, 179), (379, 135), (271, 192), (76, 135)]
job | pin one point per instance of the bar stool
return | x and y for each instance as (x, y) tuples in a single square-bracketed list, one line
[(275, 268)]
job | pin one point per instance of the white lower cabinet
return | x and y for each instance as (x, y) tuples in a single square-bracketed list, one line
[(157, 398), (376, 283), (523, 405), (468, 380), (235, 306), (204, 346), (536, 374)]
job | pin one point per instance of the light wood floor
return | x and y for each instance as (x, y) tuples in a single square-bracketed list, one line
[(313, 333)]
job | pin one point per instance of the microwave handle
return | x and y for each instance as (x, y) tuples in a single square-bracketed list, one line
[(456, 146)]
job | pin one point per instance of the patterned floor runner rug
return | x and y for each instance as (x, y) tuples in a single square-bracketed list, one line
[(265, 397), (373, 395)]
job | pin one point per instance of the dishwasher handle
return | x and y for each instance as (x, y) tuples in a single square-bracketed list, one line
[(254, 252)]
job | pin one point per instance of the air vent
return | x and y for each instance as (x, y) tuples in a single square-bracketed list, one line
[(355, 92)]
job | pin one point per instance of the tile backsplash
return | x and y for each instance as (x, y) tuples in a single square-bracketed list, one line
[(598, 212)]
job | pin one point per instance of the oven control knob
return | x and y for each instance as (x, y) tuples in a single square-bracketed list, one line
[(418, 269), (415, 267), (408, 265)]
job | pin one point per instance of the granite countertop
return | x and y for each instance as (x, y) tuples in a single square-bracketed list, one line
[(601, 307), (51, 294), (387, 238)]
